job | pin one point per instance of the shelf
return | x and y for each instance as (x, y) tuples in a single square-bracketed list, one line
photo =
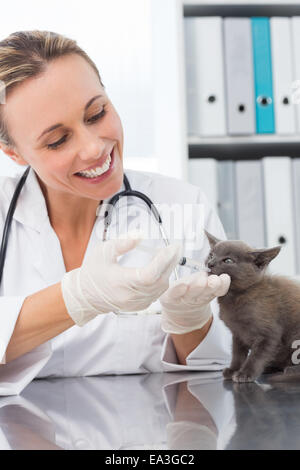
[(256, 139), (240, 147), (236, 9), (239, 2)]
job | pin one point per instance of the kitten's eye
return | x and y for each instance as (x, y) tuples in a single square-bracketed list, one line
[(227, 260)]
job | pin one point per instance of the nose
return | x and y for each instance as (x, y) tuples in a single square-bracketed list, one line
[(211, 263), (91, 146)]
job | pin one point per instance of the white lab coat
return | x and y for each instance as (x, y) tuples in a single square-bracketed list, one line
[(109, 344)]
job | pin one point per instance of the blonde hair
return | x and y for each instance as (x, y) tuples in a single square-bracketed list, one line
[(25, 54)]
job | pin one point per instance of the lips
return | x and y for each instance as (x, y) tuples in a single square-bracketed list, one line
[(100, 162), (102, 177)]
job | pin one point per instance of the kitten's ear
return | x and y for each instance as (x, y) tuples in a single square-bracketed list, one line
[(212, 240), (264, 256)]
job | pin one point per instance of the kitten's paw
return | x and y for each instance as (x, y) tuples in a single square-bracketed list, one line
[(227, 373), (243, 377)]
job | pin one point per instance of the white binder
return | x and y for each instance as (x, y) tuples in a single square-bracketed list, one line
[(282, 68), (239, 84), (296, 212), (227, 198), (202, 172), (191, 77), (250, 202), (205, 76), (279, 213), (295, 23)]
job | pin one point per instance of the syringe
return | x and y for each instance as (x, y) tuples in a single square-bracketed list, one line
[(184, 261), (191, 263)]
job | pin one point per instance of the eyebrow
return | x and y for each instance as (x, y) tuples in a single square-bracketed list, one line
[(52, 128)]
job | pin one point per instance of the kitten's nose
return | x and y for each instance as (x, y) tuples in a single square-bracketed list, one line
[(211, 263)]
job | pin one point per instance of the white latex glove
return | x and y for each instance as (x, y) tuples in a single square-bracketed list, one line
[(186, 304), (101, 285)]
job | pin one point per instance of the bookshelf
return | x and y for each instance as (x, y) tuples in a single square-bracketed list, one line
[(222, 150), (236, 147)]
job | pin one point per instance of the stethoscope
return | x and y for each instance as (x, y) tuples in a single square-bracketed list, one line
[(107, 216)]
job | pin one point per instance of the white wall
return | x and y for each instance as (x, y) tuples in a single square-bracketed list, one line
[(117, 34)]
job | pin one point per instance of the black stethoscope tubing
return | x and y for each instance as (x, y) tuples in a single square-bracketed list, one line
[(8, 220)]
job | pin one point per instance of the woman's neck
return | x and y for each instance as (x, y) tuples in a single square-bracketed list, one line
[(70, 216)]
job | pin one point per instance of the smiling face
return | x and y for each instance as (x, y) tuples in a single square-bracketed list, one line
[(85, 129)]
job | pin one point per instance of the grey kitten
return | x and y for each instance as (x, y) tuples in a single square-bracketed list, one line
[(261, 310)]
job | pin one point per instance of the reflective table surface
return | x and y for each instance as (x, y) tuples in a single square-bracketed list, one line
[(152, 411)]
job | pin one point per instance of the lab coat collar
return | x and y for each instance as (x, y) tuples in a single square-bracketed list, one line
[(31, 209)]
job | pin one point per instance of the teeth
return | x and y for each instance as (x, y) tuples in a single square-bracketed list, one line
[(96, 171)]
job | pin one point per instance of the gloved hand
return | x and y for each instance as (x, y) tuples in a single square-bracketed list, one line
[(101, 285), (186, 304)]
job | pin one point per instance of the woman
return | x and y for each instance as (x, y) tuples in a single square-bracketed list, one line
[(61, 283)]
